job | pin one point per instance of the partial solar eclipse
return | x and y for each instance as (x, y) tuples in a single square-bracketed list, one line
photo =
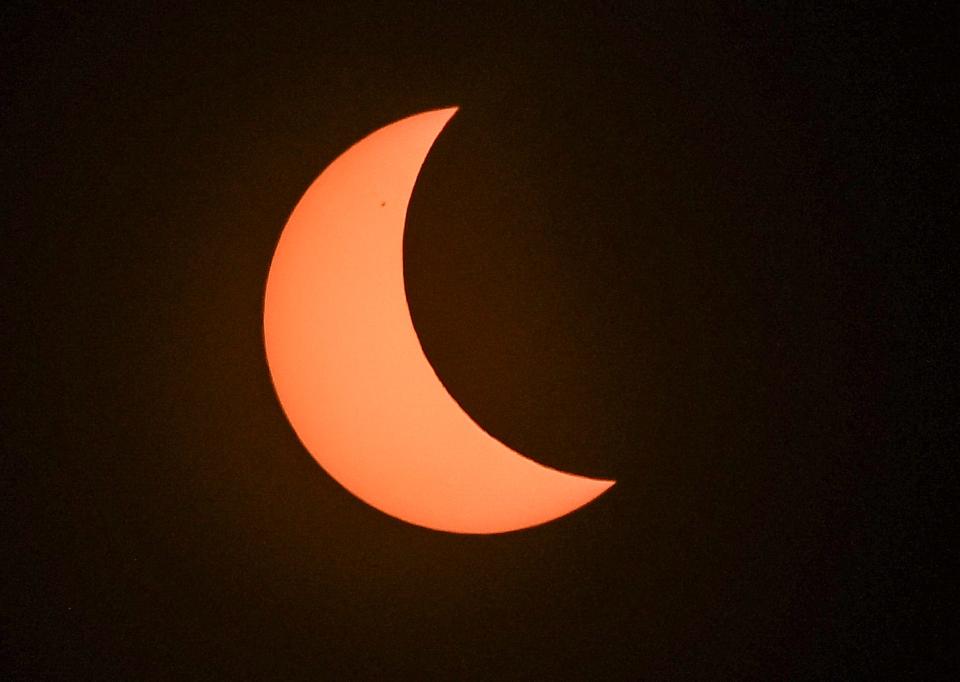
[(349, 370)]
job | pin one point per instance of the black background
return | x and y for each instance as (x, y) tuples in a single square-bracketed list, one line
[(684, 248)]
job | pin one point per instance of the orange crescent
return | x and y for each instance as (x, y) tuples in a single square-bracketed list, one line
[(349, 370)]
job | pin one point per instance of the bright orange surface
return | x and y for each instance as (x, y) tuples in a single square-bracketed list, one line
[(349, 370)]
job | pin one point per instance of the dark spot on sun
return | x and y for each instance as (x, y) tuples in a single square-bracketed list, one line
[(383, 203)]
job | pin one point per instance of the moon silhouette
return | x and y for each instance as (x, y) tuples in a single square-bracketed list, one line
[(349, 370)]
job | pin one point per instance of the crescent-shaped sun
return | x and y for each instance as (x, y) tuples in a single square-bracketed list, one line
[(349, 370)]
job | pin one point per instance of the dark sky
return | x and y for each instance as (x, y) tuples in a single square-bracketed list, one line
[(688, 249)]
